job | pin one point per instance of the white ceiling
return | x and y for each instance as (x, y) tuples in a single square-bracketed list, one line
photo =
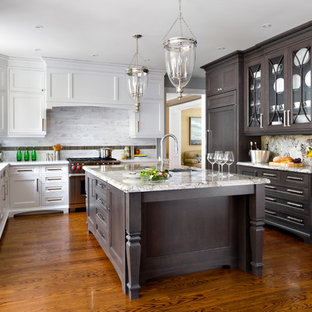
[(78, 28)]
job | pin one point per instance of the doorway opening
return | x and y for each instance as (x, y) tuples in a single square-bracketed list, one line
[(186, 119)]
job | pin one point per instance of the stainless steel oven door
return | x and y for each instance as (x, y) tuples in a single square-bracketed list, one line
[(77, 192)]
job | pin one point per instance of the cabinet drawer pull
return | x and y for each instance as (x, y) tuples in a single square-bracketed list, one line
[(42, 124), (285, 118), (294, 204), (270, 187), (270, 199), (100, 232), (55, 189), (294, 191), (270, 212), (294, 219), (24, 170), (3, 191), (101, 217), (37, 184), (294, 178), (265, 174), (54, 179), (269, 174), (54, 169), (54, 199)]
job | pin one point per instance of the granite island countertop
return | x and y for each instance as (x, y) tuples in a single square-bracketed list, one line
[(121, 178), (3, 165), (306, 169)]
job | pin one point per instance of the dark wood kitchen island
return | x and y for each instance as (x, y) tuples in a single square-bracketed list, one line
[(191, 222)]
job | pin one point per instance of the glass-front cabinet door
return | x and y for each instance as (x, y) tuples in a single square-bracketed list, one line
[(276, 106), (254, 73), (300, 113)]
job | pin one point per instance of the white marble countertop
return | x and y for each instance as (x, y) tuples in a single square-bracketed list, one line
[(38, 163), (3, 165), (306, 169), (119, 177)]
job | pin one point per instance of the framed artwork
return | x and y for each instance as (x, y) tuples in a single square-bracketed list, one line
[(195, 130)]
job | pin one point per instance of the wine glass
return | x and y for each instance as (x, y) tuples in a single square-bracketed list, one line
[(212, 160), (229, 159), (219, 158)]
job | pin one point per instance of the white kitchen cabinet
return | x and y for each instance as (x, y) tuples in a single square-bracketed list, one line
[(38, 188), (24, 188), (149, 121), (26, 114), (26, 80), (78, 83), (3, 99), (3, 113), (26, 108)]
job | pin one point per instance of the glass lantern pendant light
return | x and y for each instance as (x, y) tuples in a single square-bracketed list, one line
[(180, 55), (137, 77)]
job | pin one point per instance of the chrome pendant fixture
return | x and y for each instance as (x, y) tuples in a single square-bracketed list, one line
[(180, 55), (137, 77)]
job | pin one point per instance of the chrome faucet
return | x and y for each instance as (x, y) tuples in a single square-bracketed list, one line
[(162, 148)]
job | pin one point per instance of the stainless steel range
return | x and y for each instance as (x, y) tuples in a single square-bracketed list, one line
[(77, 192)]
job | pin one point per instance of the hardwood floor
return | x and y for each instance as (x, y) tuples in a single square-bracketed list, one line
[(51, 263)]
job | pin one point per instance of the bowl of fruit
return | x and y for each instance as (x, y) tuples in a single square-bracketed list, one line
[(154, 175)]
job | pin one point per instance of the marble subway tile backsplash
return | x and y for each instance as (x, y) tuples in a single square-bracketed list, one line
[(82, 126), (294, 146)]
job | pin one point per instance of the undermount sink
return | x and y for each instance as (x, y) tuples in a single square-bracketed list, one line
[(181, 170)]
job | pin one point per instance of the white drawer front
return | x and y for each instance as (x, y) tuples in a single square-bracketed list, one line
[(54, 169), (54, 179), (22, 170), (54, 200), (54, 189)]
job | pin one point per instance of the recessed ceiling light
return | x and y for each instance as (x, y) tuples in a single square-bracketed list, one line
[(221, 48), (147, 60), (267, 25), (39, 26), (37, 50), (94, 54)]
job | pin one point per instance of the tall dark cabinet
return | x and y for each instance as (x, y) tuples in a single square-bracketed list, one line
[(225, 106)]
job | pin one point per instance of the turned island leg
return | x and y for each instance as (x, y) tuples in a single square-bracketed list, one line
[(256, 214), (133, 246)]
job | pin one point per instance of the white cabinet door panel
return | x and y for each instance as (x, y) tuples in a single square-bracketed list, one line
[(26, 115), (24, 191), (155, 90), (26, 80), (94, 87), (3, 78), (59, 85), (3, 115), (149, 122)]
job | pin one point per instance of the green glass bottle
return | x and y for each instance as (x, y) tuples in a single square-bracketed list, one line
[(19, 154), (33, 154), (26, 155)]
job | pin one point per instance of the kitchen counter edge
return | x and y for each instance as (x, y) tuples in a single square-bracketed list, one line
[(306, 169)]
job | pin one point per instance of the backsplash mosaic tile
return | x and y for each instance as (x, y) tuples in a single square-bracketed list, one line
[(294, 146)]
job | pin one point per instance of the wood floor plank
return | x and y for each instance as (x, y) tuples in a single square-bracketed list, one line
[(51, 263)]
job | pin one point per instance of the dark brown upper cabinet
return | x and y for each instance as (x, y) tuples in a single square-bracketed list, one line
[(299, 113), (254, 94), (222, 79), (277, 87), (276, 91)]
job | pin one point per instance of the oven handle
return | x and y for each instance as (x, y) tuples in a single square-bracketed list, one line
[(72, 175)]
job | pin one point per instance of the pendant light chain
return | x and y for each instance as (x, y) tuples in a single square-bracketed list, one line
[(137, 51), (180, 18)]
